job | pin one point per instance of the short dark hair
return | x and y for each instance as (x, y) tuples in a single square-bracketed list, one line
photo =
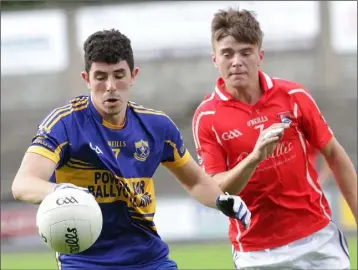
[(108, 46), (240, 24)]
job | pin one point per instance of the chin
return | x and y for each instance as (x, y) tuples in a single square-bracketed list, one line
[(113, 110), (239, 84)]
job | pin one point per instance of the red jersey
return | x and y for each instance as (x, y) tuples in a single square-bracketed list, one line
[(283, 194), (312, 154)]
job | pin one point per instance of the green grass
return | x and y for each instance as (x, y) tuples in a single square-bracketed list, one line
[(195, 256)]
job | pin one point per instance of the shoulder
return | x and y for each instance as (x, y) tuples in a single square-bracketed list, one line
[(207, 107), (155, 118), (296, 91), (287, 86), (63, 113)]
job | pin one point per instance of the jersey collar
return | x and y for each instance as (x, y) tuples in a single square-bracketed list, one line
[(265, 82), (99, 118)]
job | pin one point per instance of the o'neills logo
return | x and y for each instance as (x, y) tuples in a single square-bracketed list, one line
[(258, 120), (282, 149)]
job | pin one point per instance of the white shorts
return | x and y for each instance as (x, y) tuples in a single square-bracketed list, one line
[(325, 249)]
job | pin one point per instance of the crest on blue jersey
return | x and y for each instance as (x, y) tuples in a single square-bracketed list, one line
[(141, 150)]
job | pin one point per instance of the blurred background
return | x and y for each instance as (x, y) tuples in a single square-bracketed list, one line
[(311, 42)]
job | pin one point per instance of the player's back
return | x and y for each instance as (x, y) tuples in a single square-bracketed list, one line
[(116, 164)]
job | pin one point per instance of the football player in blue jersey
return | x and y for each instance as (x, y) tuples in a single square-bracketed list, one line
[(111, 147)]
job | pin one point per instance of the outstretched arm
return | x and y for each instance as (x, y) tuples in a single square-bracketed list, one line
[(343, 171), (31, 181)]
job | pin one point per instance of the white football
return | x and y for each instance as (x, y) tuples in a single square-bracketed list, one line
[(69, 220)]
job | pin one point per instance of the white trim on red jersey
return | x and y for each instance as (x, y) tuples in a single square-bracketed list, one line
[(299, 90), (196, 128), (303, 145)]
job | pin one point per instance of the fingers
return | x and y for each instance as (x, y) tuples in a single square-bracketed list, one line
[(278, 125), (266, 142), (247, 220), (242, 212)]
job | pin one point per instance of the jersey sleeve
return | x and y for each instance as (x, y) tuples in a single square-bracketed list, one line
[(175, 153), (211, 155), (313, 124), (50, 140)]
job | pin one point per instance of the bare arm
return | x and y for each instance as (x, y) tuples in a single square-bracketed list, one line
[(343, 171), (235, 180), (324, 172), (31, 181), (197, 183)]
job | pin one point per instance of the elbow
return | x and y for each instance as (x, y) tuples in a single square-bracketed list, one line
[(17, 190), (233, 190), (223, 187), (227, 189)]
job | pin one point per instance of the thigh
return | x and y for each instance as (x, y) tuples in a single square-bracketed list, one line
[(325, 249), (262, 259), (329, 250)]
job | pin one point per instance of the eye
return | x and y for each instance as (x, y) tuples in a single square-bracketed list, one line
[(100, 77), (227, 54), (119, 76), (246, 53)]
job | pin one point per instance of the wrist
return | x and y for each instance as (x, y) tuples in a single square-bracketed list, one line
[(253, 159)]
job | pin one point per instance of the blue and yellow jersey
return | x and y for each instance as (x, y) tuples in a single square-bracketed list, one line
[(116, 164)]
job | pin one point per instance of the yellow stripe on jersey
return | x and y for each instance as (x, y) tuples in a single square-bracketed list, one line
[(111, 126), (137, 106), (79, 161), (54, 156), (178, 160), (73, 102), (57, 114), (80, 166), (150, 111)]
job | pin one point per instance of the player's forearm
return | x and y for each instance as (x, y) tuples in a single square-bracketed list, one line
[(31, 189), (346, 178), (235, 180), (205, 191)]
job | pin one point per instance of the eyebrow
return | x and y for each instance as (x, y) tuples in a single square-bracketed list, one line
[(226, 49), (229, 49), (120, 70)]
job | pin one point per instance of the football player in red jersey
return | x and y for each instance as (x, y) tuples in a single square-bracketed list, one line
[(291, 224)]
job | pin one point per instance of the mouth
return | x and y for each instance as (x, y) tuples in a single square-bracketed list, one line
[(238, 74), (112, 101)]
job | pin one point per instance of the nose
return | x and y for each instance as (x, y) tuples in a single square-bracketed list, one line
[(237, 61), (111, 86)]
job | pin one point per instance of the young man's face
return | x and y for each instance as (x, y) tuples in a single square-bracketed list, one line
[(237, 63), (109, 85)]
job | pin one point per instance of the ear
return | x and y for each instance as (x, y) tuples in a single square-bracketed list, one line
[(134, 75), (213, 59), (85, 77), (261, 56)]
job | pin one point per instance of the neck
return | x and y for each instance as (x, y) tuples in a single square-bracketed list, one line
[(117, 119), (113, 119), (249, 94)]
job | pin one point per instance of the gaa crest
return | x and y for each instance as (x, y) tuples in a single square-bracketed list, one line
[(141, 150)]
